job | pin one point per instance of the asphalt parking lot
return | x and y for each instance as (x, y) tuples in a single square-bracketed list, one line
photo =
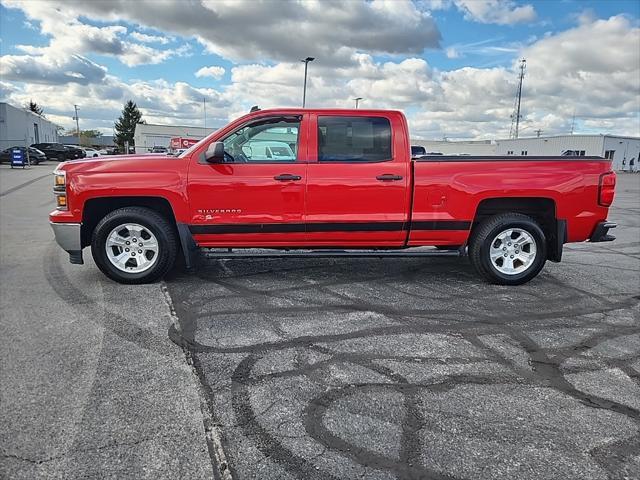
[(317, 368)]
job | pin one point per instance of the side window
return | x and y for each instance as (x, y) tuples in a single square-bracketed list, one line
[(354, 139), (267, 140)]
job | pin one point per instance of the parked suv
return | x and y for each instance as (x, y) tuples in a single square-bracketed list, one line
[(57, 151), (74, 152)]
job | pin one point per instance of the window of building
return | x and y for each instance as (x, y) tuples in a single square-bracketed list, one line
[(36, 133), (609, 154), (523, 153), (354, 139), (582, 153), (510, 152)]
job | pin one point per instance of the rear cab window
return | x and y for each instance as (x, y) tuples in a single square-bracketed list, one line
[(354, 139)]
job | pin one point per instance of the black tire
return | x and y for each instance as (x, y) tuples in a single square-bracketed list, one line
[(485, 233), (164, 232), (61, 157)]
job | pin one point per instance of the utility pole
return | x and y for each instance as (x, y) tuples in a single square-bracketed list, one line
[(538, 132), (304, 89), (77, 124), (357, 99), (204, 108), (515, 117), (573, 121)]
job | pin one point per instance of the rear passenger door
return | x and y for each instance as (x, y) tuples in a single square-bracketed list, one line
[(357, 180)]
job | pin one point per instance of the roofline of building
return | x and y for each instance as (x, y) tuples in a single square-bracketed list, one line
[(26, 110), (568, 135), (176, 126)]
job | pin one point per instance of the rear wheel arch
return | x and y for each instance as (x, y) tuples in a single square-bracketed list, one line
[(541, 209), (510, 238)]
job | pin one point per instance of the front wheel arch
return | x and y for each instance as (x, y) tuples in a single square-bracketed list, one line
[(162, 232)]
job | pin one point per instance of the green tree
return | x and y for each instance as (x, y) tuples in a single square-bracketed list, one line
[(84, 133), (35, 108), (125, 126)]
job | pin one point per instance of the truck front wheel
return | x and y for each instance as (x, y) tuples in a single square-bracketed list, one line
[(134, 245), (508, 249)]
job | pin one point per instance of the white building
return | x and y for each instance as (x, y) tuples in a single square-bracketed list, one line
[(618, 148), (20, 127), (148, 135), (453, 147)]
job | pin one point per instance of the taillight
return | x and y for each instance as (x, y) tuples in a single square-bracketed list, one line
[(606, 189)]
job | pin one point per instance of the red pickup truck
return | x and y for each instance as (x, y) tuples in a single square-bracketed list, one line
[(327, 182)]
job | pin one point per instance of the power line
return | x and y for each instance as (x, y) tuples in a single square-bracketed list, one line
[(515, 116)]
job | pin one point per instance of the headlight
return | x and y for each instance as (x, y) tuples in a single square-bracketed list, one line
[(60, 189), (59, 180)]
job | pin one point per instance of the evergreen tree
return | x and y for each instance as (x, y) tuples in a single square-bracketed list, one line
[(126, 125), (35, 108)]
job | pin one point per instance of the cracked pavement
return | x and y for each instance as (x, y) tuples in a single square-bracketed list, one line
[(321, 368)]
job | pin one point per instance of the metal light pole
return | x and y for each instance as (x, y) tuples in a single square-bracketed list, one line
[(204, 108), (77, 124), (357, 101), (304, 89)]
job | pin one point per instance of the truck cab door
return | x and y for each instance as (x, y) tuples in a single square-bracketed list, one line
[(358, 180), (254, 198)]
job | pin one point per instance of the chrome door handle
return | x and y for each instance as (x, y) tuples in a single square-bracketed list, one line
[(287, 177), (387, 177)]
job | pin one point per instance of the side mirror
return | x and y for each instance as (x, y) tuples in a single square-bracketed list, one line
[(215, 153)]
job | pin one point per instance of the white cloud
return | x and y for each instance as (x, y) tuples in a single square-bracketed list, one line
[(592, 68), (145, 38), (50, 70), (452, 52), (213, 71), (331, 30), (502, 12)]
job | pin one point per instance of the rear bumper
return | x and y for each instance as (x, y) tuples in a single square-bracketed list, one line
[(68, 237), (600, 234)]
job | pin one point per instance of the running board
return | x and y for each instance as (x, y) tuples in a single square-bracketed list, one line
[(211, 253)]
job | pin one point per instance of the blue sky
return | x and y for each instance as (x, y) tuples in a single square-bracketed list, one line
[(427, 60)]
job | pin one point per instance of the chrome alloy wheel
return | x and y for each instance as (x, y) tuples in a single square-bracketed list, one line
[(512, 251), (132, 248)]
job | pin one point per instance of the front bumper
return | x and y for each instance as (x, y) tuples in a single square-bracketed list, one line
[(68, 236), (600, 234)]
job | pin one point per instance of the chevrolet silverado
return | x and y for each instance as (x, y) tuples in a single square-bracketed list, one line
[(345, 185)]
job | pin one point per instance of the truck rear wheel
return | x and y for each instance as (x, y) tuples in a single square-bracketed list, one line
[(508, 249), (134, 245)]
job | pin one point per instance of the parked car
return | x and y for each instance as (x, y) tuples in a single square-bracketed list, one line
[(74, 152), (91, 153), (53, 151), (351, 185), (35, 155), (158, 149), (268, 150)]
